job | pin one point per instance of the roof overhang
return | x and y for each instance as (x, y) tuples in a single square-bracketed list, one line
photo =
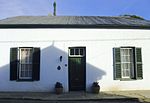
[(71, 26)]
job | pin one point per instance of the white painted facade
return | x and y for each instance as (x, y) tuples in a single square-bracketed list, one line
[(54, 43)]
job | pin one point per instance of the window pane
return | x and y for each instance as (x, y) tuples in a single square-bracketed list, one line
[(81, 52), (71, 51), (76, 51), (30, 73)]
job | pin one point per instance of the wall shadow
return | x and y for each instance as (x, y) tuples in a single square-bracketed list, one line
[(51, 60), (49, 73), (94, 74)]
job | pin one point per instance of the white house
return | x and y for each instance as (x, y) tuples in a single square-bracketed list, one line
[(36, 52)]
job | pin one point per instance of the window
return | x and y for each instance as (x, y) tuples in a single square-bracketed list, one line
[(24, 63), (76, 51), (127, 63)]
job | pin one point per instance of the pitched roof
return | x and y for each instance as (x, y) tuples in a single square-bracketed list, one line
[(74, 22)]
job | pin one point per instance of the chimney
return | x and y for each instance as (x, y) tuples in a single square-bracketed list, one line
[(54, 5)]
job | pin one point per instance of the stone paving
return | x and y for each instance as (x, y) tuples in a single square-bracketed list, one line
[(141, 95)]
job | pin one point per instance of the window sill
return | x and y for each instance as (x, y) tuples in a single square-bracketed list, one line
[(127, 79), (25, 80)]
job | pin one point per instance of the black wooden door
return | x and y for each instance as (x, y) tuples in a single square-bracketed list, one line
[(77, 73)]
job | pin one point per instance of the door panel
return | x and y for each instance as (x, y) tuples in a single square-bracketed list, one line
[(77, 73)]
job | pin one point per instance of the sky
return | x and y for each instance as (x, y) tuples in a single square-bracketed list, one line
[(11, 8)]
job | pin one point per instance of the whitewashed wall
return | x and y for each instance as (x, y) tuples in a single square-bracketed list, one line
[(55, 42)]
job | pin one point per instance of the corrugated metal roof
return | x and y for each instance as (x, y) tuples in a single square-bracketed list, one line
[(76, 20)]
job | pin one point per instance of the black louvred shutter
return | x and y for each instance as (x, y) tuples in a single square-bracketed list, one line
[(138, 63), (117, 63), (36, 64), (13, 63)]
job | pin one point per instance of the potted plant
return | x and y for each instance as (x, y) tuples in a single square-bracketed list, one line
[(58, 88), (95, 87)]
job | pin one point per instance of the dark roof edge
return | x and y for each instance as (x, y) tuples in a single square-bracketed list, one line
[(36, 26)]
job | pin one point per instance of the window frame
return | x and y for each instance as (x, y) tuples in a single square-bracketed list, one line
[(131, 62), (74, 50), (20, 68), (14, 64), (136, 71)]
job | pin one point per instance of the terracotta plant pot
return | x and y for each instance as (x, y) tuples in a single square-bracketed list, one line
[(95, 90), (95, 87), (59, 90)]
